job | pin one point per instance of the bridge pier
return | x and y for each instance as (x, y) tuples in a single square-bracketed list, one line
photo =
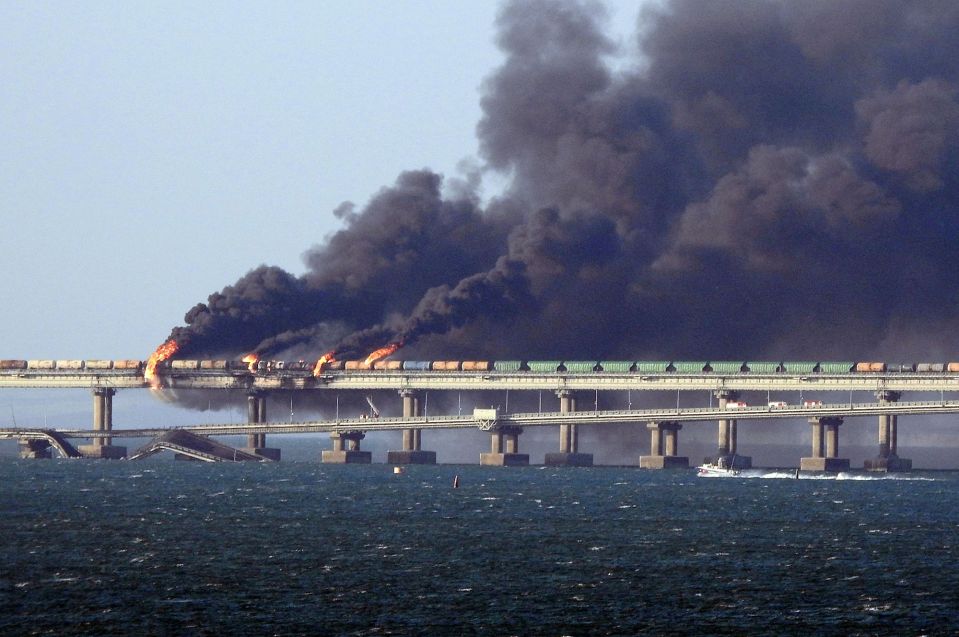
[(346, 449), (256, 413), (664, 447), (568, 455), (504, 451), (825, 447), (726, 452), (888, 459), (412, 452), (103, 421)]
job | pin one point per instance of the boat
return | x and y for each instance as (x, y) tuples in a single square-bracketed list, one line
[(721, 466)]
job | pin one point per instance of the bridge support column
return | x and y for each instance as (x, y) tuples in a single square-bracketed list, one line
[(103, 447), (346, 449), (568, 455), (412, 452), (726, 452), (825, 447), (888, 459), (504, 451), (256, 414), (664, 447)]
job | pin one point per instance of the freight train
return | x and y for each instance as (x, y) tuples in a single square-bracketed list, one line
[(509, 366)]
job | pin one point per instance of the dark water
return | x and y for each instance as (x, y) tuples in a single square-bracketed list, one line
[(300, 548)]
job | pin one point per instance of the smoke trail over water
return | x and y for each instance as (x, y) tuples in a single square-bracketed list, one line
[(769, 180)]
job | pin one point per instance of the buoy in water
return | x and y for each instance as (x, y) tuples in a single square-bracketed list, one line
[(456, 482), (398, 470)]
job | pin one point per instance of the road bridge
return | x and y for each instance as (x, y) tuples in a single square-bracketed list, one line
[(495, 422), (412, 385)]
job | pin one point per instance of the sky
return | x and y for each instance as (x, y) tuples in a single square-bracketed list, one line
[(703, 186)]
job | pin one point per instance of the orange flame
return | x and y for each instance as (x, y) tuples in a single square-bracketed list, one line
[(162, 353), (329, 357), (251, 360), (382, 352)]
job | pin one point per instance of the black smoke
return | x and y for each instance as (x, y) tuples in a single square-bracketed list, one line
[(766, 180)]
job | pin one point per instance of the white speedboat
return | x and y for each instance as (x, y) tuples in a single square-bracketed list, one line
[(720, 467)]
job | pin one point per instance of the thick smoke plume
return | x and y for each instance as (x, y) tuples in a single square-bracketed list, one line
[(765, 180)]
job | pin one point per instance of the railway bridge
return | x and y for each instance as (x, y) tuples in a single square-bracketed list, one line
[(726, 386)]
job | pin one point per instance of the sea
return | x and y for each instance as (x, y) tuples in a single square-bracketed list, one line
[(301, 548)]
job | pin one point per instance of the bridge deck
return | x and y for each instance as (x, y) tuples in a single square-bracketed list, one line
[(845, 410)]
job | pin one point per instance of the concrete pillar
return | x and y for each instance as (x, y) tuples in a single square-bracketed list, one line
[(346, 449), (727, 447), (256, 414), (412, 440), (817, 438), (832, 437), (825, 449), (568, 455), (663, 447), (103, 421), (672, 439), (504, 450), (888, 458)]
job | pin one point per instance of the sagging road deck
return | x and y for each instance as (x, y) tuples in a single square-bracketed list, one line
[(844, 410)]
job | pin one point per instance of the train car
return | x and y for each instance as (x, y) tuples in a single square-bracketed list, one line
[(952, 367), (71, 364), (127, 364), (725, 367), (45, 364), (184, 364), (617, 367), (355, 365), (542, 367), (762, 367), (477, 366), (688, 367), (870, 367), (417, 366), (834, 368), (388, 365), (508, 366), (13, 364), (98, 364), (213, 365), (927, 368), (580, 367), (653, 367), (901, 368)]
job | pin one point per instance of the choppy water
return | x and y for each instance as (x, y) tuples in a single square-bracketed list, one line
[(301, 548)]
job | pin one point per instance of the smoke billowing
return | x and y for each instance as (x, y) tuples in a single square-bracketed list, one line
[(767, 180)]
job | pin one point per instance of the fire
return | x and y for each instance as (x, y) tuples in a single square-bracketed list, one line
[(329, 357), (251, 360), (382, 352), (162, 353)]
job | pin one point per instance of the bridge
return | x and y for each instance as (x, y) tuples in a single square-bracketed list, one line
[(505, 428)]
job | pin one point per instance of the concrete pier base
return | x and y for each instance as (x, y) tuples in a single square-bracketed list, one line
[(107, 452), (411, 457), (267, 452), (568, 459), (504, 459), (663, 462), (824, 464), (889, 464), (336, 456)]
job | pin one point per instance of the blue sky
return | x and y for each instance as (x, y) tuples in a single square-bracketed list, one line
[(151, 153)]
